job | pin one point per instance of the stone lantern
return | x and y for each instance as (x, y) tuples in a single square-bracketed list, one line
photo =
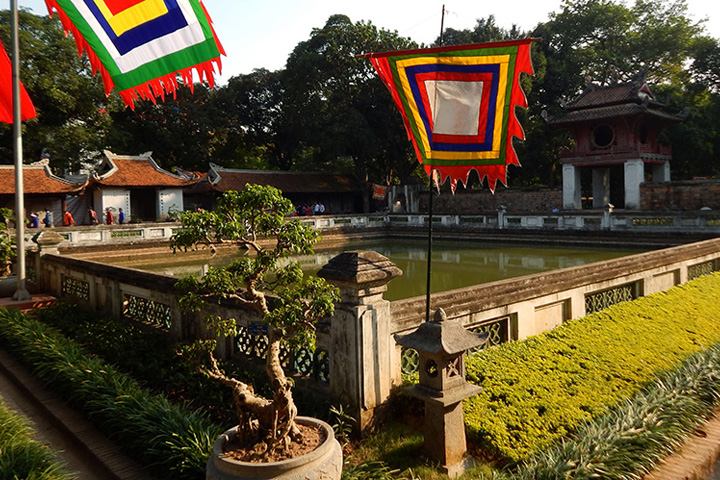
[(441, 345)]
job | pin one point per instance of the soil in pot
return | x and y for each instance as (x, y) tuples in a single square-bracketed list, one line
[(251, 451)]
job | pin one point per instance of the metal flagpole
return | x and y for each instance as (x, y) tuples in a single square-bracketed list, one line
[(21, 292), (430, 206)]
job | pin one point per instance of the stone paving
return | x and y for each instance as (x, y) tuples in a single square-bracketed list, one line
[(696, 459)]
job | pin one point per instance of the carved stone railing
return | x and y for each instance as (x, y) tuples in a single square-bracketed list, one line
[(356, 357)]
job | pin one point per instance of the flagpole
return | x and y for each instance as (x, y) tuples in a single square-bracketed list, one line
[(21, 292), (430, 207)]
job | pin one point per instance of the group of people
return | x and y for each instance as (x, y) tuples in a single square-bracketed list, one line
[(69, 220), (305, 210), (109, 216)]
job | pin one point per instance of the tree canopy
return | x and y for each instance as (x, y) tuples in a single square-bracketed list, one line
[(327, 110)]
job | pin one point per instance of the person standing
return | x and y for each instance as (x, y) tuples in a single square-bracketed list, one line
[(109, 218), (34, 220), (121, 216), (48, 220), (93, 216), (68, 219)]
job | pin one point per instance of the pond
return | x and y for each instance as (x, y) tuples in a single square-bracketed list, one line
[(454, 264)]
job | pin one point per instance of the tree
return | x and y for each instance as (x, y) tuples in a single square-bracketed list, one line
[(72, 109), (179, 131), (339, 115), (251, 121), (277, 292)]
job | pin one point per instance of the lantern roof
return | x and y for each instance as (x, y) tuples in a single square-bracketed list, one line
[(441, 335)]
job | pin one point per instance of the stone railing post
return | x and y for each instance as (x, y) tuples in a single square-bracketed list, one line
[(501, 211), (361, 375), (48, 242)]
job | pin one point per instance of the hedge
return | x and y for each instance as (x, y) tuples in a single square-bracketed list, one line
[(627, 441), (539, 390), (23, 457), (169, 439)]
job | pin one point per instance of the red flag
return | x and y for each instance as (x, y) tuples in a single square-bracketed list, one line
[(27, 110)]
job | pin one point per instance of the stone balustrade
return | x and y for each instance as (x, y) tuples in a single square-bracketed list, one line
[(356, 361), (698, 223)]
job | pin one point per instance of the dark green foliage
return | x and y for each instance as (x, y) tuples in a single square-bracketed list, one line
[(23, 457), (540, 390), (148, 357), (170, 439)]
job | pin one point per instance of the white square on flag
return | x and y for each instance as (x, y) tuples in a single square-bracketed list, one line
[(455, 106)]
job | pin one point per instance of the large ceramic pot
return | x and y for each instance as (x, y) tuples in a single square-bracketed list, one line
[(323, 463)]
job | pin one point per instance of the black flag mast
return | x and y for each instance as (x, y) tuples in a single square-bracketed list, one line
[(431, 184)]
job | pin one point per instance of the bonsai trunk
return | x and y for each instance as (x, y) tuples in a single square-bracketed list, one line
[(283, 425)]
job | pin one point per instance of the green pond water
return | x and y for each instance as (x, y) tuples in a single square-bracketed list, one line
[(454, 264)]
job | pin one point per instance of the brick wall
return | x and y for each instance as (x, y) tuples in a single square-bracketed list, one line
[(472, 202), (680, 196)]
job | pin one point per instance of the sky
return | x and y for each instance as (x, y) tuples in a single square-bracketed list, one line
[(262, 34)]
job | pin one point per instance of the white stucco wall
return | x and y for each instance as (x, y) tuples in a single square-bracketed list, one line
[(115, 198), (169, 198)]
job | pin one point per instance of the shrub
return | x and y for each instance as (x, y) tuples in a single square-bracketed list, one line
[(148, 357), (23, 457), (539, 390), (629, 439), (170, 439)]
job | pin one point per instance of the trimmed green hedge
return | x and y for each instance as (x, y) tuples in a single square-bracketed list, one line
[(170, 439), (539, 390), (630, 439), (23, 457)]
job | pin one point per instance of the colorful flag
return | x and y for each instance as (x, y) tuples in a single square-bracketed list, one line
[(142, 46), (379, 192), (458, 104), (27, 109)]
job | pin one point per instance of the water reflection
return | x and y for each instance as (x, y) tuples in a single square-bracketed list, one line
[(454, 264)]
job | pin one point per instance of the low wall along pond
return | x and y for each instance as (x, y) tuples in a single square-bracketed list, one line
[(357, 362)]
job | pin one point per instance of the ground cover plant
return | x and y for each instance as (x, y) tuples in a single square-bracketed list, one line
[(169, 439), (627, 441), (149, 357), (21, 456), (539, 390)]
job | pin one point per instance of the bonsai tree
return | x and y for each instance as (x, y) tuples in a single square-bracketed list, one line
[(263, 280)]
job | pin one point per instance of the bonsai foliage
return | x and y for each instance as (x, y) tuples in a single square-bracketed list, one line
[(265, 282)]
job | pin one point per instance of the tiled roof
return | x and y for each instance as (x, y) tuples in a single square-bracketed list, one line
[(37, 180), (619, 100), (613, 111), (137, 171), (224, 179)]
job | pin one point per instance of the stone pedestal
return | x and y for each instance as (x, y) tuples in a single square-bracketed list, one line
[(361, 367), (441, 346)]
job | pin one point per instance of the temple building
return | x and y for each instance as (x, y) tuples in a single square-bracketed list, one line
[(43, 190), (338, 192), (139, 186), (616, 130)]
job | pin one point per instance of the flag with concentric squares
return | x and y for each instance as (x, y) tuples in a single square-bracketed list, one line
[(141, 47), (458, 105)]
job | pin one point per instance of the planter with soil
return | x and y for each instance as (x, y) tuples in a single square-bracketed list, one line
[(323, 460)]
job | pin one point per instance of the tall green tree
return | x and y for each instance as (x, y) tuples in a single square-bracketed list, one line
[(251, 121), (179, 131), (72, 109), (338, 114)]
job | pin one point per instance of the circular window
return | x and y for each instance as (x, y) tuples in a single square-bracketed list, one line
[(603, 136)]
